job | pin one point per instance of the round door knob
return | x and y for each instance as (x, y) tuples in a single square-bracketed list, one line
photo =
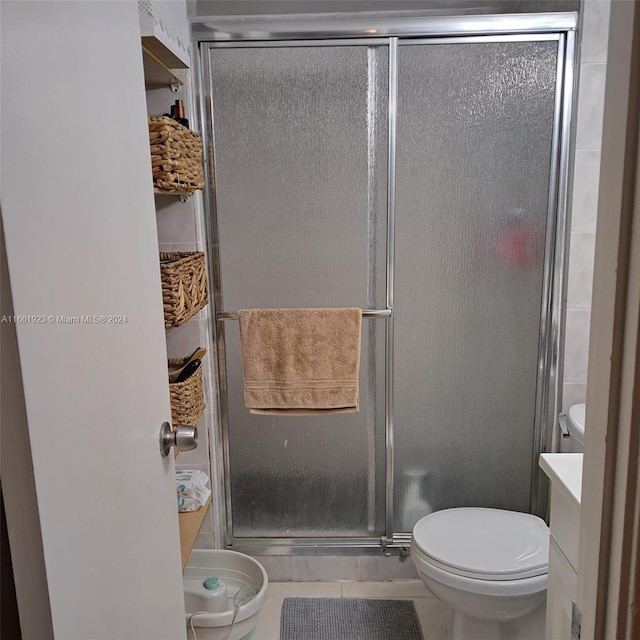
[(185, 438)]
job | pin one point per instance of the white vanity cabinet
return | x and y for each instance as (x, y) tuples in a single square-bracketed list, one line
[(565, 473), (561, 593)]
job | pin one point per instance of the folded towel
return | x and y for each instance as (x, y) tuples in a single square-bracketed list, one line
[(301, 361)]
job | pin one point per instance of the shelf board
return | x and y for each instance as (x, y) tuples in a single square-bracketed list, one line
[(190, 523), (154, 42), (178, 192), (156, 72)]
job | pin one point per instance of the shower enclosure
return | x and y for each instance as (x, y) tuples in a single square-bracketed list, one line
[(416, 169)]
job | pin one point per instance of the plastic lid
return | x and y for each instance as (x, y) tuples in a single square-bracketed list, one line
[(211, 583), (576, 419), (489, 544)]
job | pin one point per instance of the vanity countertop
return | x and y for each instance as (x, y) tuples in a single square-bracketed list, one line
[(565, 470)]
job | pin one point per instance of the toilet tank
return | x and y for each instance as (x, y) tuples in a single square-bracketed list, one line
[(573, 423)]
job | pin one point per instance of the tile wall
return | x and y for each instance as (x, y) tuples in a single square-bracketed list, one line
[(584, 202), (325, 568)]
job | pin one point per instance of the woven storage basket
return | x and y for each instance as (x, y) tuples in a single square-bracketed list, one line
[(184, 286), (176, 156), (187, 398)]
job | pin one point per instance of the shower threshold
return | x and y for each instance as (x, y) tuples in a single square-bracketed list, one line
[(322, 546)]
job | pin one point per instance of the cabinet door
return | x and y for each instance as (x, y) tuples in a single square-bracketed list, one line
[(81, 241), (561, 593)]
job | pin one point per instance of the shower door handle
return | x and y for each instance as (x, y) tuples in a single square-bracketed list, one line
[(185, 438)]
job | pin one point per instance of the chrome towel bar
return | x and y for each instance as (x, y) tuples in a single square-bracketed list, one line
[(366, 313)]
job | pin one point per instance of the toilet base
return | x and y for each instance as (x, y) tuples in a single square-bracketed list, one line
[(528, 627)]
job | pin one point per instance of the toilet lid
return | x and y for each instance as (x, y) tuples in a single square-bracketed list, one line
[(489, 544)]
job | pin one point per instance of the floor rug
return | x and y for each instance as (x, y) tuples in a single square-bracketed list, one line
[(349, 619)]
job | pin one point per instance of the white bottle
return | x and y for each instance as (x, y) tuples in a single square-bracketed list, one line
[(213, 594)]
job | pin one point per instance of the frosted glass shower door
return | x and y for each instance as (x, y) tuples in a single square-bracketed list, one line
[(300, 138), (474, 153)]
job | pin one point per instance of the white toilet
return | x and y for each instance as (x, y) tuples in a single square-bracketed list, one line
[(489, 568)]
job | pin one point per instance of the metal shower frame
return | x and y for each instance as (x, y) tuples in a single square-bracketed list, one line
[(394, 32)]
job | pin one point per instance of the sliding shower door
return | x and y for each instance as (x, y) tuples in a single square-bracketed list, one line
[(300, 140), (415, 176), (474, 160)]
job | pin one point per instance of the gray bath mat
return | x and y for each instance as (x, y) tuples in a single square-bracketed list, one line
[(348, 619)]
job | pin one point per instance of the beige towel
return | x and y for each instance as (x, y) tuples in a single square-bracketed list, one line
[(301, 361)]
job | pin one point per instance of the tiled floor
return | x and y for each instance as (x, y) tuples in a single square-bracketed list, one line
[(431, 614)]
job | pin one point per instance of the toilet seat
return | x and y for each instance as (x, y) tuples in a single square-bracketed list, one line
[(483, 544), (473, 586)]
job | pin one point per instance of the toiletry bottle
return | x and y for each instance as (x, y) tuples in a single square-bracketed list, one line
[(178, 114)]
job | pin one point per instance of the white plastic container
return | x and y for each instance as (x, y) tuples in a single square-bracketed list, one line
[(574, 420), (209, 594), (246, 582)]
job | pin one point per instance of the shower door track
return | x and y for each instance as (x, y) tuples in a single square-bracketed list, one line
[(322, 31)]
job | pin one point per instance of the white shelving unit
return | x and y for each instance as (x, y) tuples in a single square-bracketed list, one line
[(165, 53)]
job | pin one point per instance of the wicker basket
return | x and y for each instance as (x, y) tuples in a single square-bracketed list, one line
[(187, 398), (184, 286), (176, 156)]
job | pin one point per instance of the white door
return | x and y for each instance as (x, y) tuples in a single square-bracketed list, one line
[(81, 241)]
